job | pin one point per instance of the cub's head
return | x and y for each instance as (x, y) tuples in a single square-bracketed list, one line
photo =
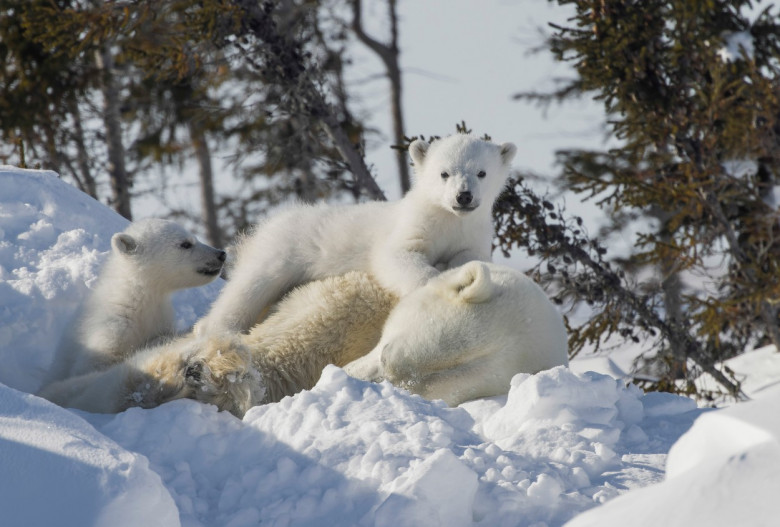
[(461, 173), (167, 255)]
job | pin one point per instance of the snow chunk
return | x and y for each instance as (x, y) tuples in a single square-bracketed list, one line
[(437, 491), (736, 45)]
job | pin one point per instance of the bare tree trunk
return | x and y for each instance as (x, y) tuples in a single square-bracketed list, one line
[(206, 174), (120, 183), (82, 157), (389, 54)]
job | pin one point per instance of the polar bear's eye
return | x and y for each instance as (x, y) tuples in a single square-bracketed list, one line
[(481, 174), (444, 175), (186, 245)]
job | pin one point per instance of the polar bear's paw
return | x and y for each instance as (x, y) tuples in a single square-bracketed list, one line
[(221, 373)]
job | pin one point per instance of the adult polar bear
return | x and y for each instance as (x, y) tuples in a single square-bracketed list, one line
[(444, 221), (465, 334)]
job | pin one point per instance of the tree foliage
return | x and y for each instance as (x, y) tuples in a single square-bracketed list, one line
[(687, 105), (260, 81)]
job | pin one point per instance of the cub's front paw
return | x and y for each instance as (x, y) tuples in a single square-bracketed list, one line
[(221, 373)]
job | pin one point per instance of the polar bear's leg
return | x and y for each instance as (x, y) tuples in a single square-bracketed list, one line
[(368, 367), (221, 373), (270, 262), (98, 392), (148, 378)]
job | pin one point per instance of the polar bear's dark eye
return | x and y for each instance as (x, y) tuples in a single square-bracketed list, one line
[(186, 245), (444, 175), (481, 174)]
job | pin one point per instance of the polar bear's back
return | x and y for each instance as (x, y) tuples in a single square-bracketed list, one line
[(331, 321), (540, 333)]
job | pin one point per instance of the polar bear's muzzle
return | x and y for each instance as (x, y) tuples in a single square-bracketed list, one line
[(214, 268), (465, 202)]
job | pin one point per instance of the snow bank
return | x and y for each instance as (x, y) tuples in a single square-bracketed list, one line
[(757, 370), (58, 470), (350, 452), (345, 453), (724, 471)]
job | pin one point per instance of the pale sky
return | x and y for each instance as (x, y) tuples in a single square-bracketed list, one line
[(464, 59)]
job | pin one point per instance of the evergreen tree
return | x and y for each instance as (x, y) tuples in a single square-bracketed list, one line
[(691, 90), (41, 115), (170, 79)]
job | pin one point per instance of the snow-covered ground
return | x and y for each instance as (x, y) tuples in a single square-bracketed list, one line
[(349, 452)]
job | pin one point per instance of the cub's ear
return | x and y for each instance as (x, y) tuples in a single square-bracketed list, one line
[(417, 150), (508, 151), (471, 283), (123, 243)]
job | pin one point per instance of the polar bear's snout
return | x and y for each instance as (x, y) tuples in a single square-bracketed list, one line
[(214, 266), (464, 198)]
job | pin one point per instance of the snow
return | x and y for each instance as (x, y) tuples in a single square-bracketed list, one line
[(757, 370), (724, 471), (736, 46), (348, 452)]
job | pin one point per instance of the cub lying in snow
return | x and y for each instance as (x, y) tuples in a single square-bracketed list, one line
[(460, 337), (131, 304), (444, 221)]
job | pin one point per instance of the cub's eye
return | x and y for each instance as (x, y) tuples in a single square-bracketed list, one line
[(186, 245), (481, 174), (444, 175)]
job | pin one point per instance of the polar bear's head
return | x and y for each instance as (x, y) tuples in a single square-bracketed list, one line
[(167, 255), (468, 331), (461, 173)]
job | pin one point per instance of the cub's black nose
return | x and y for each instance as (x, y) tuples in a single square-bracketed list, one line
[(464, 198), (222, 256)]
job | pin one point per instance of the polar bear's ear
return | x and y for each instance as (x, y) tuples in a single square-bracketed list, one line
[(123, 243), (417, 150), (508, 151), (472, 283)]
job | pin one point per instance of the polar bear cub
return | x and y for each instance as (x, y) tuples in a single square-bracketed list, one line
[(131, 303), (442, 222), (465, 334)]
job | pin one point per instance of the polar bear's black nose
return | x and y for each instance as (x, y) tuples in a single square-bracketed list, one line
[(221, 256), (464, 198)]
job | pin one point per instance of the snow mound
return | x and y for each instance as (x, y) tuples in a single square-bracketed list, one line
[(757, 370), (58, 470), (724, 471), (350, 452)]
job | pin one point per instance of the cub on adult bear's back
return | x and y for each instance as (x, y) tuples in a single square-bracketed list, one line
[(444, 221)]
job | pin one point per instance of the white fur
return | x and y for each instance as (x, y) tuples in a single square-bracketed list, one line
[(131, 303), (466, 334), (400, 243)]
